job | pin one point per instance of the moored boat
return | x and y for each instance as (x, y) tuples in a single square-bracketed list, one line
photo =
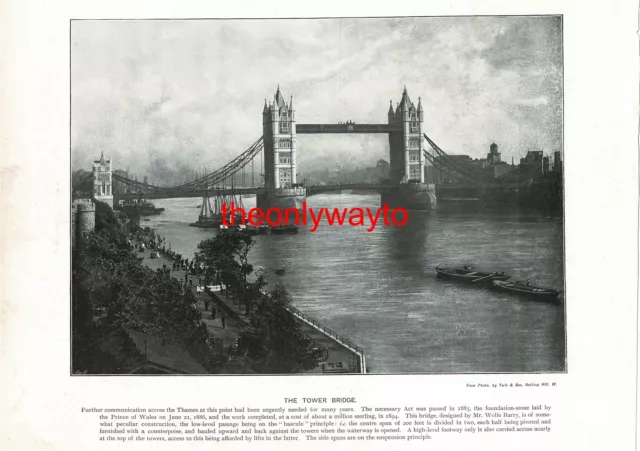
[(139, 207), (253, 230), (148, 209), (209, 218), (206, 223), (290, 228), (525, 289), (256, 230), (469, 275)]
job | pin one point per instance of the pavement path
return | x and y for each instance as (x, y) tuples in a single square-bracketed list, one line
[(228, 335)]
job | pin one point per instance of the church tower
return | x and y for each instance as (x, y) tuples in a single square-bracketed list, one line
[(406, 145), (279, 137)]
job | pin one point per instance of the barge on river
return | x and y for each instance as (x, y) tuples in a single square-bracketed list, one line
[(469, 275), (529, 291)]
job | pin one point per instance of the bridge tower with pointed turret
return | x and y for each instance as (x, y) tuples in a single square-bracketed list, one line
[(279, 140), (279, 135), (406, 157), (406, 145)]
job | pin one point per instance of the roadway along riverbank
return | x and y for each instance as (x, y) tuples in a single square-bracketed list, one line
[(236, 319)]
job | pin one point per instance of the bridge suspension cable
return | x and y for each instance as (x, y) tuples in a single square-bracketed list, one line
[(440, 166), (209, 180), (227, 170), (447, 161)]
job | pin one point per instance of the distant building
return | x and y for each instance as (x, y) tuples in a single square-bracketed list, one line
[(494, 166), (484, 169), (383, 167), (557, 161), (546, 165), (500, 169), (533, 161), (102, 180), (493, 157), (464, 162)]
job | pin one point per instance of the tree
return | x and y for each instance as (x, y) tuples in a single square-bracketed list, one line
[(275, 342), (226, 259), (253, 291), (112, 291), (105, 217)]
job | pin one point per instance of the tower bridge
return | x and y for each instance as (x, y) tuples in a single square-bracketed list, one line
[(275, 155), (280, 135)]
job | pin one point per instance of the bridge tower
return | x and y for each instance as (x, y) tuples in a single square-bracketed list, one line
[(279, 138), (102, 180), (406, 146), (407, 160)]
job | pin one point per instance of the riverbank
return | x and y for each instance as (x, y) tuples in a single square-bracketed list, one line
[(338, 358)]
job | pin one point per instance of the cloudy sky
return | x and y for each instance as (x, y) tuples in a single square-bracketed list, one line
[(191, 93)]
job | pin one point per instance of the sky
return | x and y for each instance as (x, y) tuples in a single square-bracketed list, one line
[(189, 94)]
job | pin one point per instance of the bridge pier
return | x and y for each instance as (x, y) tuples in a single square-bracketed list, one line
[(281, 199), (410, 196)]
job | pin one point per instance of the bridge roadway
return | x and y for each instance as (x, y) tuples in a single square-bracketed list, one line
[(173, 194), (312, 190)]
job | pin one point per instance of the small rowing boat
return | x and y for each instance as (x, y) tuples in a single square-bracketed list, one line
[(525, 289), (469, 275)]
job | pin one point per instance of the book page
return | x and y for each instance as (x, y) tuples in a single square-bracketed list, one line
[(290, 225)]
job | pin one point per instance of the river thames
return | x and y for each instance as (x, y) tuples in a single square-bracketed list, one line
[(380, 290)]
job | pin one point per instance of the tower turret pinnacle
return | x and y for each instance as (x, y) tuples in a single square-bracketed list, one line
[(405, 102), (278, 100), (419, 104)]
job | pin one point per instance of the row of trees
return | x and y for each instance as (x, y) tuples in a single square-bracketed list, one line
[(274, 341), (113, 291)]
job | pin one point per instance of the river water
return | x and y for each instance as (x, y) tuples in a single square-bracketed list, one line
[(379, 289)]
